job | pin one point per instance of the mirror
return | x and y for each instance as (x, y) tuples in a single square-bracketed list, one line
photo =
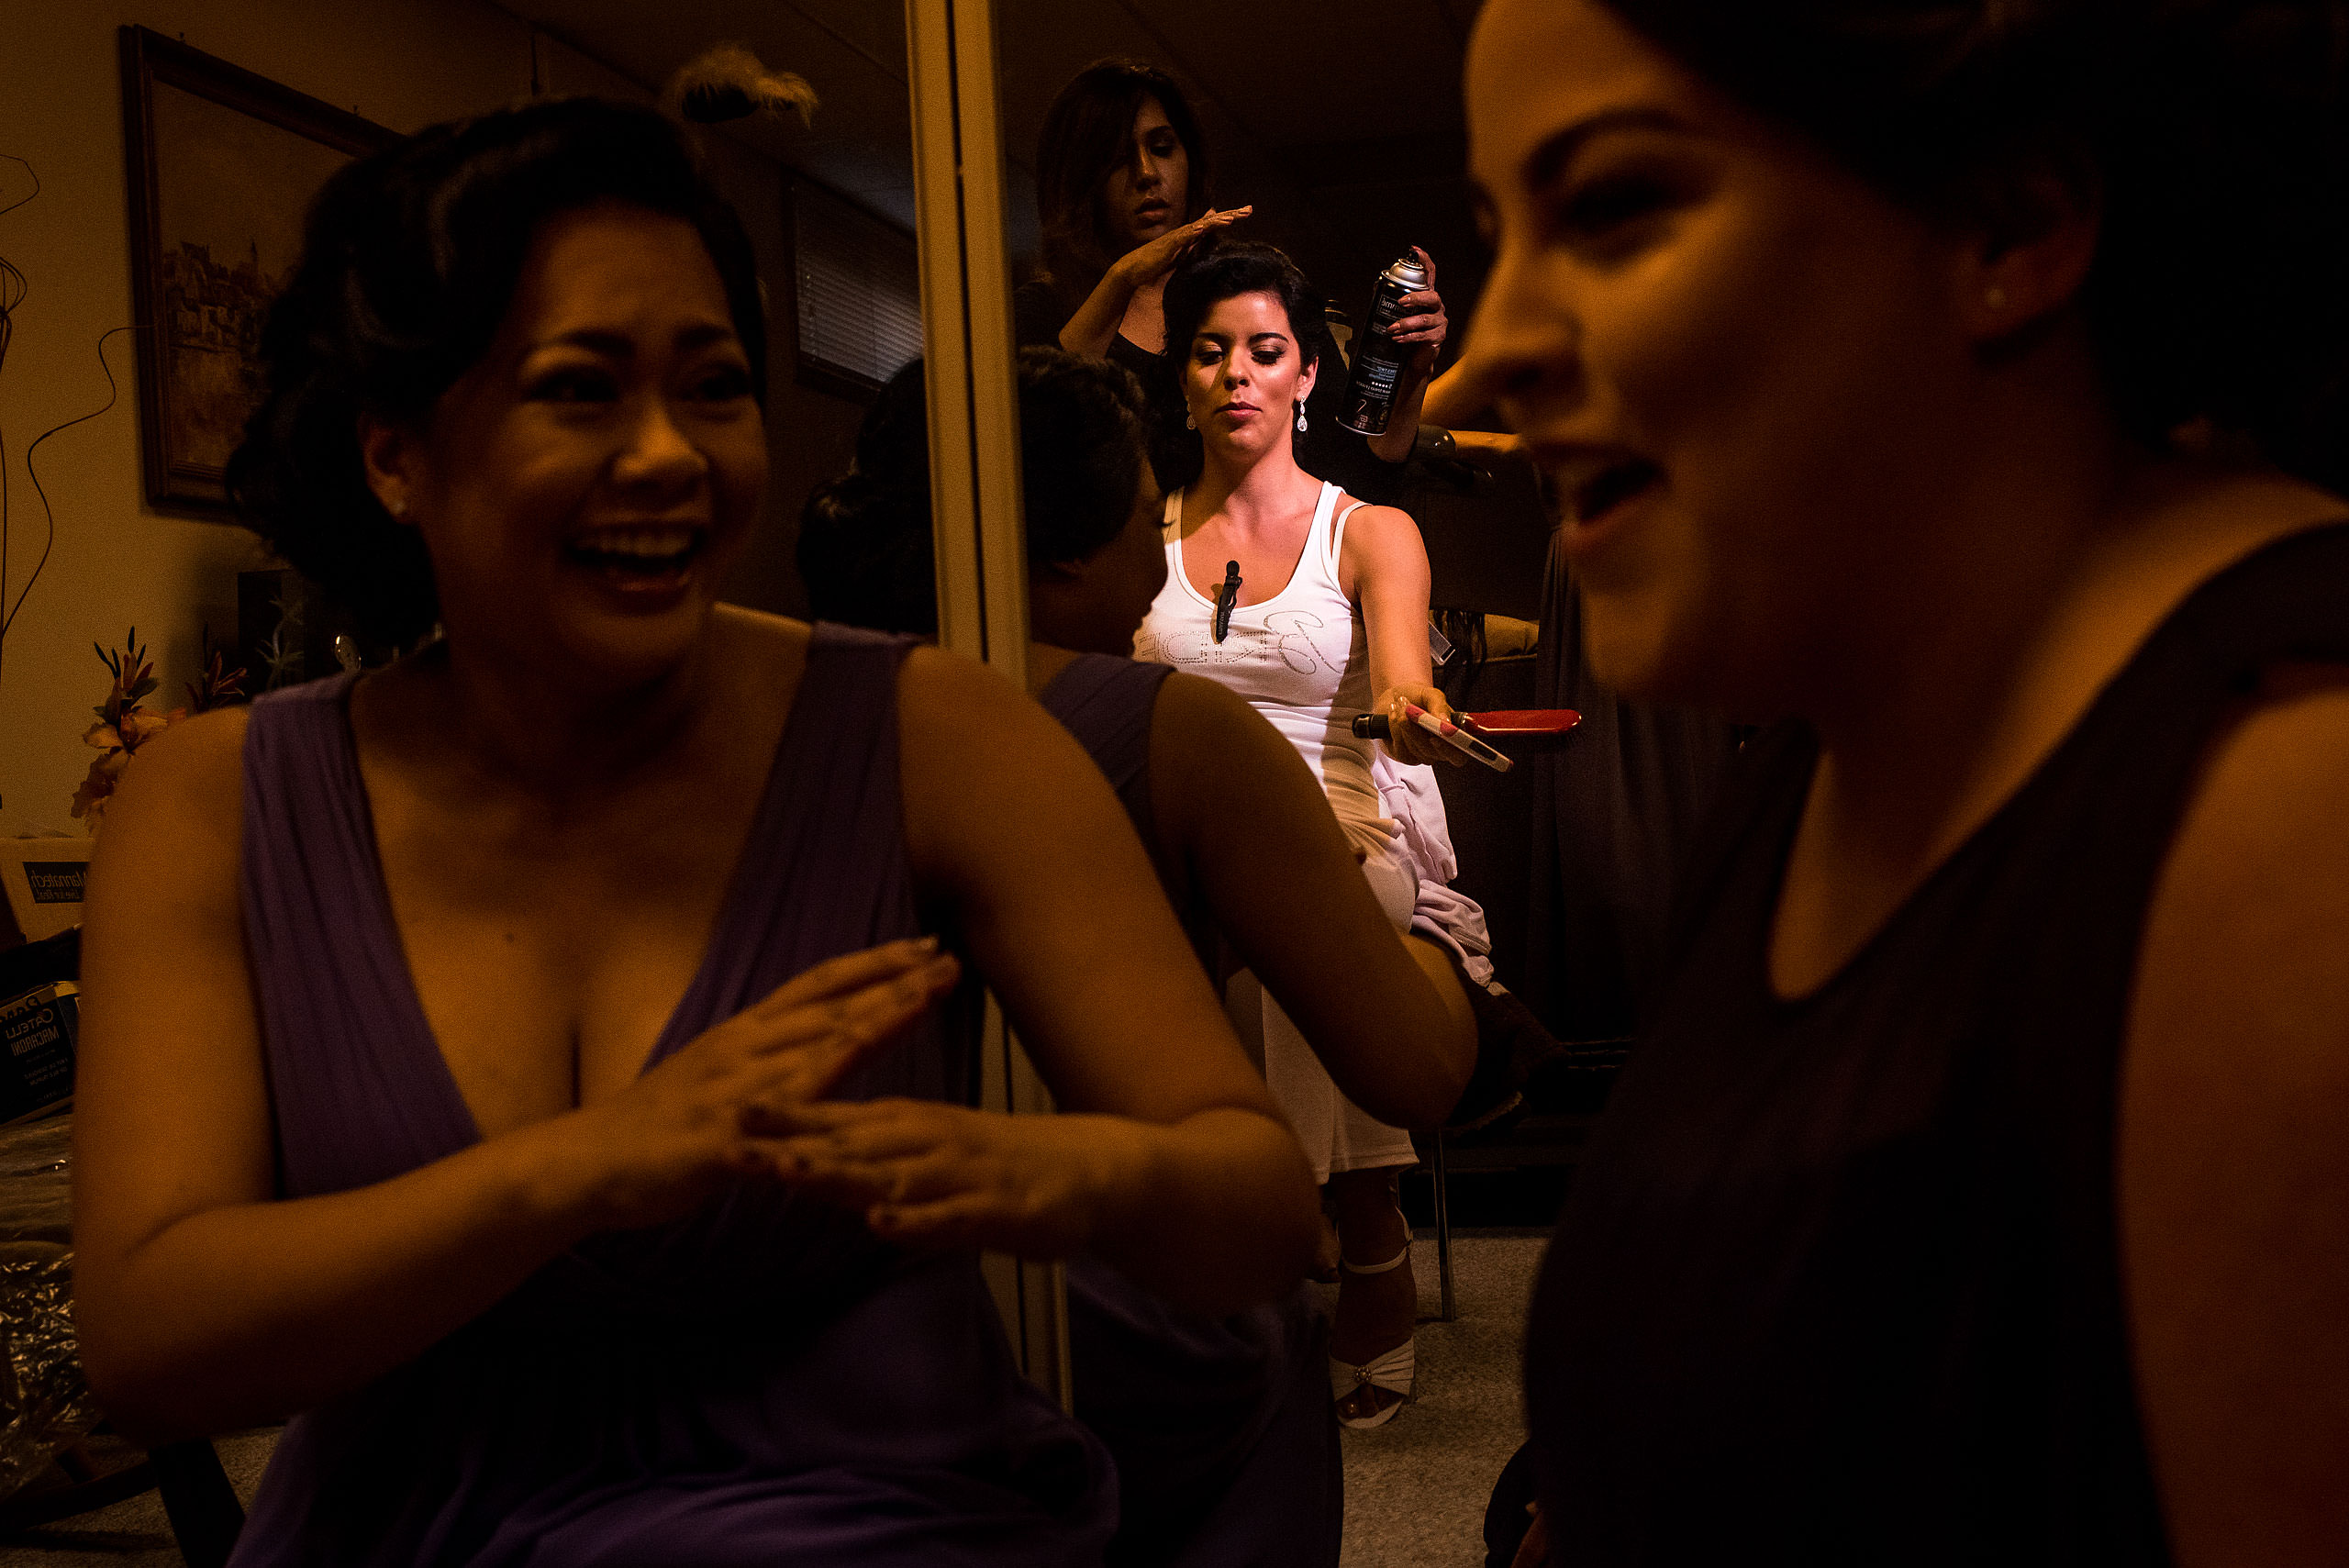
[(1340, 122), (828, 203)]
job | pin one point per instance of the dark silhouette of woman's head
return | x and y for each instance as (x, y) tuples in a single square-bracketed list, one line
[(864, 538)]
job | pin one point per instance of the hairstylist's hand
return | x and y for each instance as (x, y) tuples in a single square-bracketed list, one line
[(1423, 323), (692, 1123), (940, 1175), (1407, 740), (1153, 259)]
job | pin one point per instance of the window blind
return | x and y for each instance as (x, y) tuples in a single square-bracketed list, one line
[(859, 286)]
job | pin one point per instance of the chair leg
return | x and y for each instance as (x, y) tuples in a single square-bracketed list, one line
[(205, 1515), (1450, 1312)]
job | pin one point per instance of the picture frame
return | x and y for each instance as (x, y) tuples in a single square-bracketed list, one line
[(222, 165)]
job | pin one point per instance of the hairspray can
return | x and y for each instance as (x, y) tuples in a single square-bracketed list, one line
[(1378, 358)]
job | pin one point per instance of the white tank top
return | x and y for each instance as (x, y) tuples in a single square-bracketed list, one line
[(1300, 658)]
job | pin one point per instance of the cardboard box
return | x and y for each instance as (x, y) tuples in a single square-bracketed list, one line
[(37, 1034), (40, 884)]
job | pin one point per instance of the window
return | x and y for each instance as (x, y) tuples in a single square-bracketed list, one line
[(859, 288)]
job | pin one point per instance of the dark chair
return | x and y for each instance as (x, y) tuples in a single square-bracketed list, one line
[(1488, 536)]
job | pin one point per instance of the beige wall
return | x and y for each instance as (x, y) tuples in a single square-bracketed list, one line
[(402, 63)]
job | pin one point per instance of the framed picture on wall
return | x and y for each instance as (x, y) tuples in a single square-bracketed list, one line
[(222, 167)]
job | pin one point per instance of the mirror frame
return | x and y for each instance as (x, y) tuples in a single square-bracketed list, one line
[(972, 383)]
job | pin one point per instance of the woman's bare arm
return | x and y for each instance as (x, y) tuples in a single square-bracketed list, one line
[(1240, 810), (2235, 1147), (202, 1300), (1200, 1191), (1383, 568)]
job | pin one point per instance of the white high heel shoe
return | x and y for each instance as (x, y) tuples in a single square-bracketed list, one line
[(1393, 1372)]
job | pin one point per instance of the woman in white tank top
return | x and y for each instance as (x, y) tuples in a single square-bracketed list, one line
[(1314, 607)]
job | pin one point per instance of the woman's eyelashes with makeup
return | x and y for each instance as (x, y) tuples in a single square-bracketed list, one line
[(572, 384), (1210, 353), (727, 382), (1615, 211)]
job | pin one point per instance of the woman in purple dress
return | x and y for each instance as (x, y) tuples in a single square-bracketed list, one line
[(547, 1101)]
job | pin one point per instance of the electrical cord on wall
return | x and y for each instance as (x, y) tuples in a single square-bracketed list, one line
[(13, 289), (113, 395)]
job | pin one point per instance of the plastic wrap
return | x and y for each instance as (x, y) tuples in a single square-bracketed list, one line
[(44, 1404)]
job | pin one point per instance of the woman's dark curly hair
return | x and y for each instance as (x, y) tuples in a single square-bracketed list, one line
[(864, 537), (1216, 273), (2214, 132), (409, 261), (1088, 131)]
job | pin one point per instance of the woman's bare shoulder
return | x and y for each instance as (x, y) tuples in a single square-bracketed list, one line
[(1377, 530), (196, 765), (176, 822), (2253, 902), (2234, 1136)]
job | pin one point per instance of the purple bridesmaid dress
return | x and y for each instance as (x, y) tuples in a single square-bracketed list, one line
[(762, 1382), (1222, 1428)]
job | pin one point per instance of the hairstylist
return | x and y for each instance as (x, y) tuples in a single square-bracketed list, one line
[(1124, 180)]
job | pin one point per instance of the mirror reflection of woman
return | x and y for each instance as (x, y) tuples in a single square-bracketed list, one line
[(1124, 182), (1963, 384), (548, 1106), (1227, 1446), (1326, 620)]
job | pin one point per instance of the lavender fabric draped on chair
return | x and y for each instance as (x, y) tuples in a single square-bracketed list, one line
[(762, 1381)]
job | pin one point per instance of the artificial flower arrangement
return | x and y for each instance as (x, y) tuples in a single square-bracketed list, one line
[(125, 724)]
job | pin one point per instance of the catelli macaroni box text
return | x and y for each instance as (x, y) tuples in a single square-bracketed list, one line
[(36, 1035)]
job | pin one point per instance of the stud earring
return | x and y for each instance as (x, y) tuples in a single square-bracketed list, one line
[(1300, 419), (1190, 420)]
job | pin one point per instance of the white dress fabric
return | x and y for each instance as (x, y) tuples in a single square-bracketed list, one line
[(1440, 912), (1302, 660)]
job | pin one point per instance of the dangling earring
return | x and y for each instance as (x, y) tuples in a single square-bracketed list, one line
[(1190, 420), (1300, 415)]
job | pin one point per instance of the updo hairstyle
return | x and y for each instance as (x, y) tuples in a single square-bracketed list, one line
[(2212, 130), (864, 538), (409, 264), (1224, 271)]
